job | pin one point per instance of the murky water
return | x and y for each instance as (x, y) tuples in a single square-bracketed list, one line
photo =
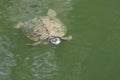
[(93, 54)]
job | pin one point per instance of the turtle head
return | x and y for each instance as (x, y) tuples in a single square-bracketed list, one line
[(51, 13), (55, 41)]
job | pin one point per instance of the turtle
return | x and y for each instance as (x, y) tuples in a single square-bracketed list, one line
[(45, 29)]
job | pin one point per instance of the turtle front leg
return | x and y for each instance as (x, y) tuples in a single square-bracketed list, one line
[(34, 44), (67, 38), (19, 25)]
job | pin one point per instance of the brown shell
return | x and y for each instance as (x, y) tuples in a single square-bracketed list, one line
[(43, 28)]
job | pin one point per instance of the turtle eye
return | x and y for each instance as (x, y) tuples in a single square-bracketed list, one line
[(55, 41)]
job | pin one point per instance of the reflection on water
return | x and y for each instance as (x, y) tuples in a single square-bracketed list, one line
[(36, 65), (93, 54), (39, 65), (43, 65), (16, 61), (7, 60), (26, 9)]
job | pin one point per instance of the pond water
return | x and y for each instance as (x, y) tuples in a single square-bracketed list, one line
[(93, 54)]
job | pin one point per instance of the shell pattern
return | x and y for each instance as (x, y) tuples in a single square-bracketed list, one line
[(43, 27)]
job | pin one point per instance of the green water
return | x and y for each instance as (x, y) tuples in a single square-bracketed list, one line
[(93, 54)]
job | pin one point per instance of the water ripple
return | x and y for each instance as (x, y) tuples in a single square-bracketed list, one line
[(6, 58), (43, 66)]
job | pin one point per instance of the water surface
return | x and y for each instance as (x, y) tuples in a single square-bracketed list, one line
[(93, 54)]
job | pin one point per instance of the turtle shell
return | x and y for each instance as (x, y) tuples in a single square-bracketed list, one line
[(43, 27)]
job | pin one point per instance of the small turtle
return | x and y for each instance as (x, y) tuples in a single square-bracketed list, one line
[(44, 29)]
